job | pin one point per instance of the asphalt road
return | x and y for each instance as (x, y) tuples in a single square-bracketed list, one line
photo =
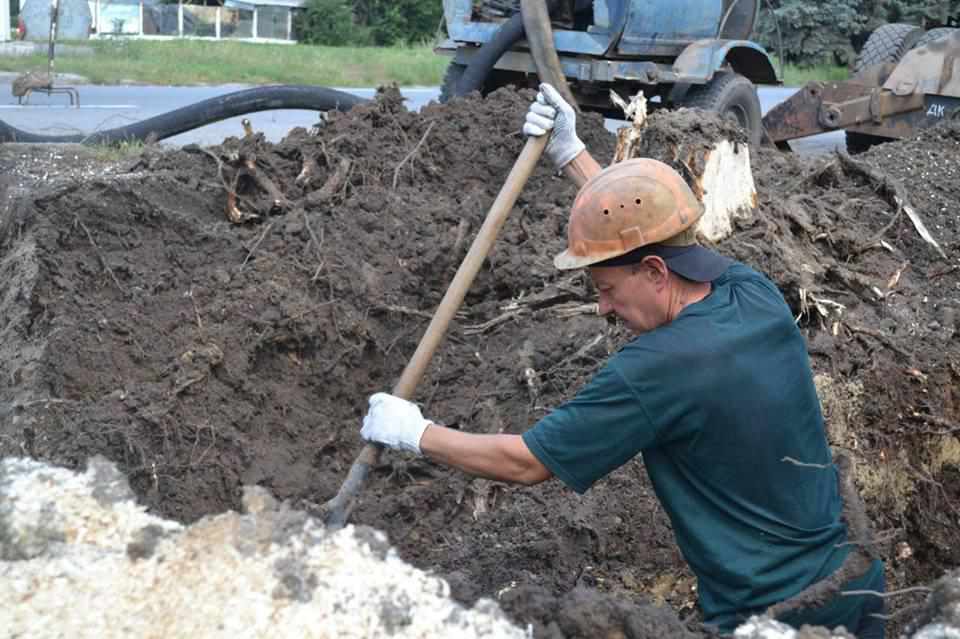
[(106, 107)]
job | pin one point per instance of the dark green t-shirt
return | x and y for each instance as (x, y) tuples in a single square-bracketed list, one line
[(715, 400)]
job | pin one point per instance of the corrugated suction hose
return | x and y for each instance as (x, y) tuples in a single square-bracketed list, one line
[(202, 113)]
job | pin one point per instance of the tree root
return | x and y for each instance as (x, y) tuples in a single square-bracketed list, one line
[(396, 171), (256, 244), (893, 192), (232, 167), (307, 172), (265, 184), (100, 257), (330, 188), (880, 337)]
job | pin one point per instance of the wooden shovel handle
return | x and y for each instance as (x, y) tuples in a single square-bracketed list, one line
[(337, 510)]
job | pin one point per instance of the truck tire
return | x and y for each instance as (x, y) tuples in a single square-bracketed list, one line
[(886, 44), (933, 34), (732, 95)]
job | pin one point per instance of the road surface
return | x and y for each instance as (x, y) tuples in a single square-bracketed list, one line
[(106, 107)]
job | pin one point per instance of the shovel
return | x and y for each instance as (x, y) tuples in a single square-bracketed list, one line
[(337, 510)]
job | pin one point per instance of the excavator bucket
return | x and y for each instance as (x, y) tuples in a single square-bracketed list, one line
[(886, 101)]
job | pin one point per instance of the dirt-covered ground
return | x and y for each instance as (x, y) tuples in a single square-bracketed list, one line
[(139, 322)]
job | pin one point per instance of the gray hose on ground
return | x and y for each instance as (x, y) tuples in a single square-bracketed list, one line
[(202, 113)]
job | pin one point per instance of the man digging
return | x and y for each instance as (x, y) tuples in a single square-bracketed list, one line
[(715, 390)]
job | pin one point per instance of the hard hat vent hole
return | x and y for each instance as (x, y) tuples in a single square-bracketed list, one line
[(621, 206), (638, 201), (606, 211)]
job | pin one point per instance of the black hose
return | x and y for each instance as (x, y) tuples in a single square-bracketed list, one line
[(202, 113), (482, 63)]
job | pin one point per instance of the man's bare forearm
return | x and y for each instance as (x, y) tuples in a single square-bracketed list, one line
[(581, 168), (500, 457)]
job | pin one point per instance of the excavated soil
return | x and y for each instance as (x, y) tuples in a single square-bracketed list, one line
[(139, 323)]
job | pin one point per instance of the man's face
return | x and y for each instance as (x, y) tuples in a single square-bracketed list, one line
[(637, 294)]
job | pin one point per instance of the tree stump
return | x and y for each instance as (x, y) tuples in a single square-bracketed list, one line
[(711, 153)]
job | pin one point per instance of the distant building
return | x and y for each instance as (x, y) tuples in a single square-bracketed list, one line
[(5, 26), (256, 20), (73, 22)]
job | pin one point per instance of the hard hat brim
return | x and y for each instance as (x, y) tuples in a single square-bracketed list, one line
[(567, 261), (693, 262)]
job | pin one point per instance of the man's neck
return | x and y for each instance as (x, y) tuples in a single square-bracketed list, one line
[(686, 293)]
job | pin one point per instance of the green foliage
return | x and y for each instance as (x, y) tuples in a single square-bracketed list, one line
[(330, 22), (931, 13), (819, 32), (797, 76), (399, 21), (365, 22), (116, 152), (813, 31)]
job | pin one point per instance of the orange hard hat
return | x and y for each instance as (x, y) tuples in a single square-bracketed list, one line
[(628, 205)]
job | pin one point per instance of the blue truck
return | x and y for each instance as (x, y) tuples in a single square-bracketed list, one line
[(692, 53)]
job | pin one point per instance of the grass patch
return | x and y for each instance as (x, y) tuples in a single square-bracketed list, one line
[(192, 62), (794, 76), (116, 152)]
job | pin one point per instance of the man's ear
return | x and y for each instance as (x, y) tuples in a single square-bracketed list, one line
[(654, 268)]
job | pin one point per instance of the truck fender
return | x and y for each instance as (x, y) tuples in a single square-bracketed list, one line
[(701, 59)]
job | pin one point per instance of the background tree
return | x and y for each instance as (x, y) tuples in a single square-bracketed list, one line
[(832, 32), (365, 22), (399, 21), (331, 23), (814, 31)]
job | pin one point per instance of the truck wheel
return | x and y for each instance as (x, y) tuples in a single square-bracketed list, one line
[(933, 34), (731, 95), (887, 43)]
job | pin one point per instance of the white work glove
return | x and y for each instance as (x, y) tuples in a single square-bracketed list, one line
[(394, 422), (551, 112)]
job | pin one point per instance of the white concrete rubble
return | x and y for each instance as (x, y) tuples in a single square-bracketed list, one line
[(79, 558)]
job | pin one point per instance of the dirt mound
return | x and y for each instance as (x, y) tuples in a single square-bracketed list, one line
[(140, 324), (586, 612)]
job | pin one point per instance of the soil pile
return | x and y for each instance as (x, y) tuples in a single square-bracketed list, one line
[(200, 355)]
